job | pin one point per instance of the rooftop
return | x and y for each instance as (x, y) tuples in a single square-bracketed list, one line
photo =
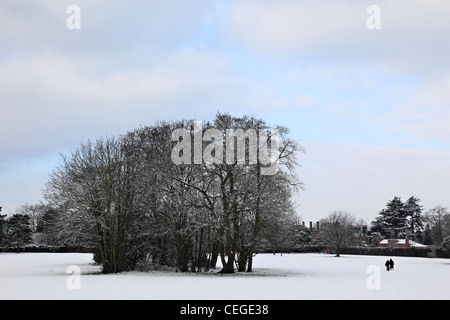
[(402, 242)]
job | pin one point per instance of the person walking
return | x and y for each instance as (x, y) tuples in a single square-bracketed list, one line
[(391, 264), (387, 264)]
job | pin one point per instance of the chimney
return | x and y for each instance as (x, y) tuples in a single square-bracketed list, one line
[(310, 225), (317, 224), (303, 223)]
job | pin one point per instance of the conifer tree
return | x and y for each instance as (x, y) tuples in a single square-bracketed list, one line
[(2, 228), (394, 217), (19, 230), (414, 213)]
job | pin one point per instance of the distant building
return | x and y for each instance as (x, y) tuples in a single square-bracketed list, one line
[(400, 243), (361, 234), (314, 231)]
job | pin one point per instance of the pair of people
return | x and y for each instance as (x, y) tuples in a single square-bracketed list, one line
[(389, 264)]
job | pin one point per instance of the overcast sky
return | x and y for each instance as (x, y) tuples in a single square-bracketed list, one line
[(371, 107)]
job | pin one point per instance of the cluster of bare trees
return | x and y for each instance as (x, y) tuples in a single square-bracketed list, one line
[(338, 230), (437, 226), (126, 198)]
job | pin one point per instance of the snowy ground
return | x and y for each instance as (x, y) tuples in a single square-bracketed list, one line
[(291, 276)]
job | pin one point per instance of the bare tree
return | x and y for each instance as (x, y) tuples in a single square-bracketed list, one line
[(179, 222), (93, 189), (337, 231), (246, 197), (438, 219)]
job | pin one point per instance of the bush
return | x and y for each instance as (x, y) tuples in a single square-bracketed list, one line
[(377, 251), (441, 253), (45, 248)]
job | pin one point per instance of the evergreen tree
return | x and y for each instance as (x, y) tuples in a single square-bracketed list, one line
[(19, 230), (378, 229), (393, 219), (414, 212), (303, 235), (2, 229)]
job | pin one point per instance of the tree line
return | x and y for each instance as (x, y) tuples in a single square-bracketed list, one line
[(15, 231), (408, 219), (283, 233), (397, 220), (127, 199)]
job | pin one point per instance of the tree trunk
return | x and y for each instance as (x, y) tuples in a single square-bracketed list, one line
[(243, 258), (228, 266), (200, 255), (338, 251), (256, 227), (228, 249), (214, 255)]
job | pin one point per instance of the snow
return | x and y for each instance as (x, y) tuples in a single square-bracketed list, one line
[(287, 277), (403, 242)]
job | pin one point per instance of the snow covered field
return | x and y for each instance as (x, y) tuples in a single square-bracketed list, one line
[(291, 276)]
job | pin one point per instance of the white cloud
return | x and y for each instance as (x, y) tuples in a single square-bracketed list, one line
[(292, 25), (53, 93), (109, 27), (424, 114), (306, 101), (411, 37)]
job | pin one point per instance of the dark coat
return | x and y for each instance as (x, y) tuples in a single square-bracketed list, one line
[(391, 264)]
